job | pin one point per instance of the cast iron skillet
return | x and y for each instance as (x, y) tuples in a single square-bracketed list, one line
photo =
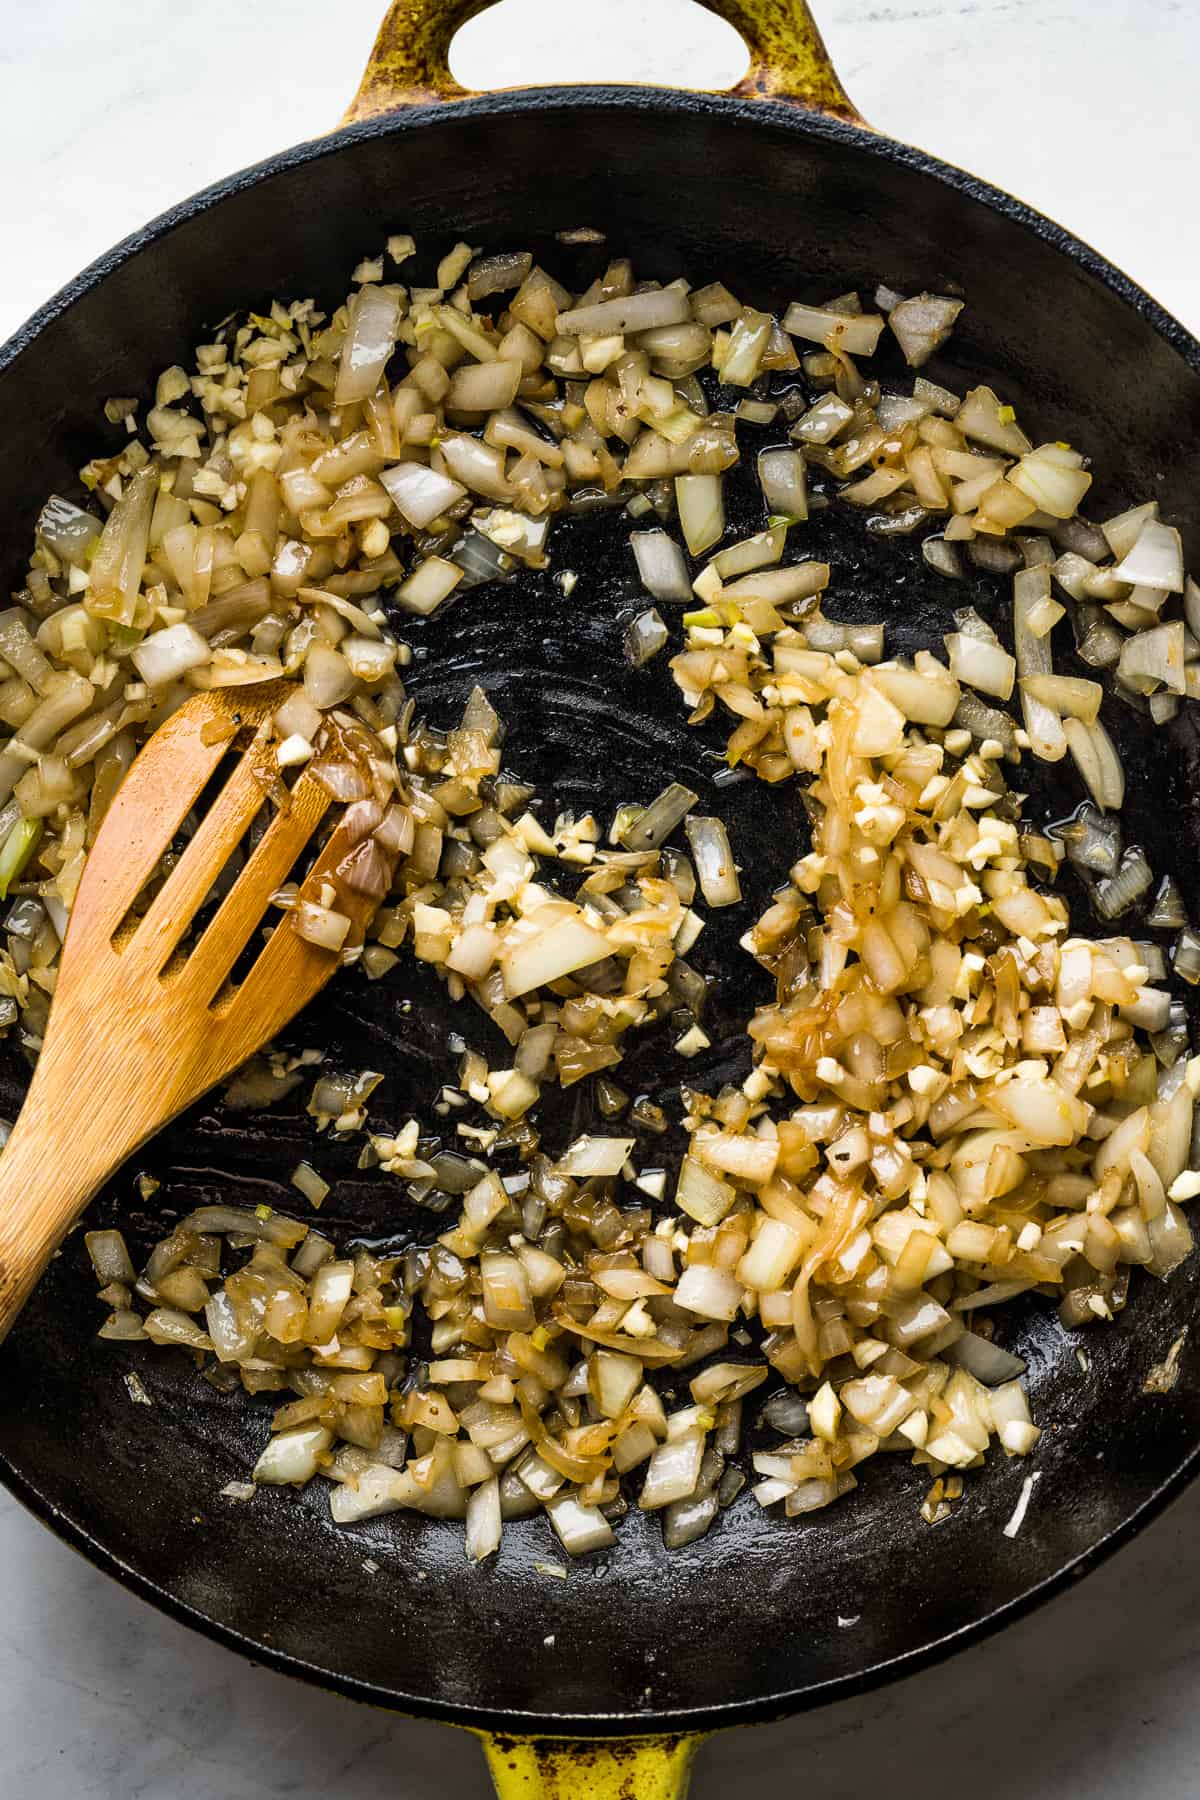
[(782, 199)]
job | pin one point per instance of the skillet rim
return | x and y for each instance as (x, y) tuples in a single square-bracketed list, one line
[(745, 113)]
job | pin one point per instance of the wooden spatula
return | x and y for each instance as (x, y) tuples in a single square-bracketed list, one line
[(136, 1032)]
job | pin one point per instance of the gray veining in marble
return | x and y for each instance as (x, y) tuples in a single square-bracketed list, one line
[(108, 114)]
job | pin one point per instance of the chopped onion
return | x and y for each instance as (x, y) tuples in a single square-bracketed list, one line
[(1055, 484), (673, 1472), (310, 1184), (1115, 894), (782, 475), (628, 313), (483, 1520), (579, 1528), (565, 946), (922, 325), (854, 333), (371, 331), (433, 581), (647, 830), (166, 655), (701, 510), (1155, 656), (1185, 956), (68, 530), (983, 1359), (1168, 912), (320, 925), (645, 636), (592, 1156), (110, 1257), (293, 1456), (661, 566), (703, 1196), (1097, 761), (712, 854), (987, 667), (1067, 695), (1046, 732), (712, 1293), (420, 493), (943, 557), (1155, 560)]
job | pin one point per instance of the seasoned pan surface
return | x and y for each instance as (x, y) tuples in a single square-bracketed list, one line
[(762, 1615)]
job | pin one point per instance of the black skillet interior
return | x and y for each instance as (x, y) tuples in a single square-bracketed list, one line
[(762, 1615)]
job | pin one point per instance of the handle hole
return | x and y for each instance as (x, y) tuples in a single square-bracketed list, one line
[(673, 43)]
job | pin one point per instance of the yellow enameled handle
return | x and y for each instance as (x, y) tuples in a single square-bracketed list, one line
[(410, 63), (653, 1768)]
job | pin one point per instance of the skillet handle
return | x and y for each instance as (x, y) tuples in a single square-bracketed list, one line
[(654, 1768), (410, 63)]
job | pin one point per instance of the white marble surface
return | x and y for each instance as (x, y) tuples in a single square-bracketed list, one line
[(107, 115)]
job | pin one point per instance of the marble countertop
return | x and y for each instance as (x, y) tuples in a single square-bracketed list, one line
[(108, 115)]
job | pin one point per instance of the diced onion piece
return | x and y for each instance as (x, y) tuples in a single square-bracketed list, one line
[(855, 333), (484, 387), (371, 332), (661, 566), (686, 1520), (1045, 728), (1155, 560), (310, 1184), (420, 493), (375, 1490), (987, 667), (926, 693), (293, 1456), (628, 313), (982, 418), (922, 324), (783, 477), (613, 1380), (1096, 758), (713, 1293), (68, 530), (483, 1520), (110, 1257), (983, 1359), (480, 466), (579, 1528), (712, 854), (1067, 695), (546, 956), (645, 636), (673, 1472), (701, 1194), (593, 1156), (1055, 486), (297, 717), (320, 925), (1041, 1109), (327, 678), (779, 587), (166, 655), (701, 510), (751, 553), (120, 554), (1155, 657), (651, 828), (433, 581)]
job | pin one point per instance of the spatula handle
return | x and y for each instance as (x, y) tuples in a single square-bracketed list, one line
[(49, 1170)]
